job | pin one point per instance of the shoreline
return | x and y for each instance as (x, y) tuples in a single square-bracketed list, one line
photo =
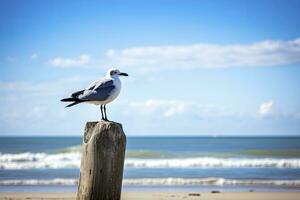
[(155, 189), (158, 195), (152, 188)]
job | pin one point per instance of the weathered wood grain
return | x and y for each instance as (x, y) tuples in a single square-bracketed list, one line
[(102, 161)]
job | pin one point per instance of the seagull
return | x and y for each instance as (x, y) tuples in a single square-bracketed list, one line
[(100, 92)]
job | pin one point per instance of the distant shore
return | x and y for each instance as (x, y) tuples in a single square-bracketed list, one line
[(160, 195)]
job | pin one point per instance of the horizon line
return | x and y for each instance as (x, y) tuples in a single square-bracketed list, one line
[(164, 135)]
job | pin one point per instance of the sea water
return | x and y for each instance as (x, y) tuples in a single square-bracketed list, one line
[(158, 163)]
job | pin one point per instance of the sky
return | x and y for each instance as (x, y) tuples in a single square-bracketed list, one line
[(195, 68)]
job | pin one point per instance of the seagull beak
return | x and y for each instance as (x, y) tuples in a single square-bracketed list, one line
[(123, 74)]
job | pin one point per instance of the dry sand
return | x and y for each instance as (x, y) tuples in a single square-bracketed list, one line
[(163, 196)]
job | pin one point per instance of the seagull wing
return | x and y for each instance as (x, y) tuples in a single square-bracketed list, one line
[(98, 91)]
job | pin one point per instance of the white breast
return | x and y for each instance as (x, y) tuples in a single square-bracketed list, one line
[(115, 93)]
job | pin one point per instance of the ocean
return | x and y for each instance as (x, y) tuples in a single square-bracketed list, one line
[(158, 163)]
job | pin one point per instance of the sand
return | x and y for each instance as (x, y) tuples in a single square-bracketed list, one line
[(162, 196)]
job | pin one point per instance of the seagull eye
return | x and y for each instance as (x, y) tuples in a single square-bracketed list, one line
[(112, 73)]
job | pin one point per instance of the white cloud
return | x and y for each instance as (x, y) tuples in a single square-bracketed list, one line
[(168, 108), (110, 53), (36, 105), (34, 56), (263, 53), (81, 60), (52, 87), (165, 108), (12, 85), (171, 108), (265, 108)]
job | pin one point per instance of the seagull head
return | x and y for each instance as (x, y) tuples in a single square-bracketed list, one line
[(113, 72)]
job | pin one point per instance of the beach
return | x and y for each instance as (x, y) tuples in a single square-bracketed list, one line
[(150, 100), (162, 196)]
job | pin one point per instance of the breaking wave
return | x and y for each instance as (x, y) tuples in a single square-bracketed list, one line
[(39, 160), (211, 181), (211, 162), (57, 181), (72, 160)]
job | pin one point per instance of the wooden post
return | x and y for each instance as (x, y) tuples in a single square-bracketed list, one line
[(102, 161)]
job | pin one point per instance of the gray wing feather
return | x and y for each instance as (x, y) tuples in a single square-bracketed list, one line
[(98, 91), (100, 83)]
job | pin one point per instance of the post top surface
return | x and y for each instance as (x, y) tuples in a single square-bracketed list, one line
[(103, 122), (100, 127)]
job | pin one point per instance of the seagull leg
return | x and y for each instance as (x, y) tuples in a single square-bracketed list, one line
[(101, 107), (105, 115)]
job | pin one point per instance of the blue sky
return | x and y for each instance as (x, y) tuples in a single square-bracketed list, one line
[(196, 67)]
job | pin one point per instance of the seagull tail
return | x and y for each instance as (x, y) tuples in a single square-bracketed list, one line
[(72, 104), (69, 99), (74, 101)]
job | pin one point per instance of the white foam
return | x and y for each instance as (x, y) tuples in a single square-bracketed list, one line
[(211, 181), (39, 160), (211, 162), (72, 160), (57, 181)]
